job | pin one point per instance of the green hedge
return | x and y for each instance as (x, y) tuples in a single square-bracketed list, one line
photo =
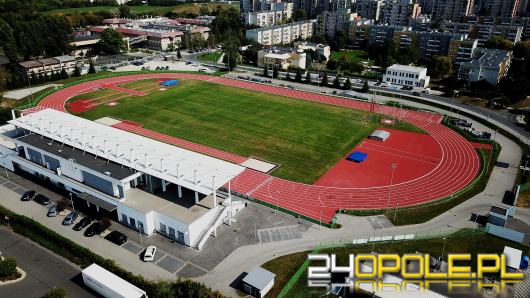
[(83, 257)]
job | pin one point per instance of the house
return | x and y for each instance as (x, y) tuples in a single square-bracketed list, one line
[(48, 66), (406, 75), (282, 58)]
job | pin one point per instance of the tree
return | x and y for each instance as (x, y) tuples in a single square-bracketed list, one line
[(440, 66), (497, 42), (287, 76), (365, 87), (5, 77), (111, 42), (204, 10), (266, 71), (91, 68), (64, 74), (274, 72), (308, 78), (125, 11), (347, 84), (7, 41), (77, 72), (179, 55), (409, 54), (299, 15), (231, 49), (336, 82), (56, 293), (325, 79), (298, 77)]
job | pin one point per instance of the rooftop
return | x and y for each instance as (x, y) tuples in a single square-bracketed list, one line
[(488, 57), (88, 160), (259, 278), (183, 209), (65, 58), (179, 166), (406, 68)]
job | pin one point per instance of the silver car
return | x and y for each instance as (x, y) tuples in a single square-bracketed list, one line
[(70, 218), (53, 211)]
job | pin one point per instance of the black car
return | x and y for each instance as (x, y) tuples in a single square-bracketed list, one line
[(42, 199), (93, 229), (28, 195), (116, 237), (82, 224)]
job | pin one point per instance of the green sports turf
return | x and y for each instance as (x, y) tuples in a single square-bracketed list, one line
[(305, 138)]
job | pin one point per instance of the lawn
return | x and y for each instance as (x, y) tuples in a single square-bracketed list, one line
[(212, 57), (305, 138), (195, 8), (352, 56), (463, 241)]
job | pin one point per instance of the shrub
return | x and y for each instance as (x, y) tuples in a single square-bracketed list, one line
[(8, 266), (56, 293)]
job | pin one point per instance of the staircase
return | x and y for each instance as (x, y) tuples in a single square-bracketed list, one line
[(522, 289), (219, 211)]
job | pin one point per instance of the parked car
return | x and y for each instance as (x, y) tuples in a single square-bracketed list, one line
[(93, 229), (54, 211), (116, 237), (42, 199), (28, 195), (70, 218), (82, 223), (149, 254), (416, 93)]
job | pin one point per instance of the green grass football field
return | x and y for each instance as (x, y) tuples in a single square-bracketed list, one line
[(304, 138)]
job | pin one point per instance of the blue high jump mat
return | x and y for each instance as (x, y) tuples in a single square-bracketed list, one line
[(357, 156), (170, 83)]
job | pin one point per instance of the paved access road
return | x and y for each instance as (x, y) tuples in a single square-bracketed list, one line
[(44, 269)]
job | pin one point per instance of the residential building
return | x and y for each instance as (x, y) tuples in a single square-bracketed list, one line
[(436, 43), (399, 12), (462, 50), (368, 9), (406, 75), (502, 9), (427, 6), (451, 10), (266, 18), (331, 22), (490, 65), (147, 185), (310, 7), (48, 66), (483, 32), (282, 34), (282, 58), (359, 33), (380, 34), (319, 48)]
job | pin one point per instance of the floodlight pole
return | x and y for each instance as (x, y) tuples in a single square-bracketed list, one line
[(395, 211), (72, 200), (394, 166), (443, 249)]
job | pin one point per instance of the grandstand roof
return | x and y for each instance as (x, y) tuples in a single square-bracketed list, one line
[(183, 167)]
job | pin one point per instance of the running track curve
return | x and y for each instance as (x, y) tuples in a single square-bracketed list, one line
[(457, 168)]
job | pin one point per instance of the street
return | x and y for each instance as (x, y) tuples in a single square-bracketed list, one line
[(44, 269)]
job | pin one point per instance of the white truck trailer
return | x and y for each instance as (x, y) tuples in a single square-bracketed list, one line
[(108, 284)]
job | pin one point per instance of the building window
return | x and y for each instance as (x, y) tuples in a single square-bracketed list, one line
[(171, 233), (180, 237), (163, 228), (132, 222), (124, 218)]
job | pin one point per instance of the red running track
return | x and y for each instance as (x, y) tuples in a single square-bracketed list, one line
[(457, 167)]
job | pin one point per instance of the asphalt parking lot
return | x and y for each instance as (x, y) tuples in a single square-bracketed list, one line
[(44, 269)]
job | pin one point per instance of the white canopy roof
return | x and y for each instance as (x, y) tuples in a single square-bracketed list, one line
[(183, 167)]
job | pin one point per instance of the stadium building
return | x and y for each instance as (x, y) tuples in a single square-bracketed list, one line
[(145, 184)]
